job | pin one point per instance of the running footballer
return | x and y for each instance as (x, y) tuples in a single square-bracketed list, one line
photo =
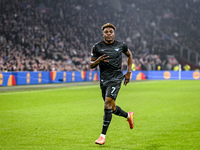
[(108, 55)]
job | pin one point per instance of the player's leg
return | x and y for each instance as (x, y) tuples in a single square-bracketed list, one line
[(106, 118), (108, 105), (113, 92), (119, 112), (110, 93)]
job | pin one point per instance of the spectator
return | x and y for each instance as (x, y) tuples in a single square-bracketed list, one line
[(57, 35)]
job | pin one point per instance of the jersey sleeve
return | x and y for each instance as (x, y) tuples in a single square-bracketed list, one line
[(125, 48), (94, 52)]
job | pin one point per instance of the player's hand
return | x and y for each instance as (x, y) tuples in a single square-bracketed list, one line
[(127, 78), (103, 58)]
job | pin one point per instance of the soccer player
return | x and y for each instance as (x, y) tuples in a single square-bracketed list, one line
[(108, 55)]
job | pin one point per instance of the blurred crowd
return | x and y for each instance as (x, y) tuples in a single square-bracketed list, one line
[(45, 35)]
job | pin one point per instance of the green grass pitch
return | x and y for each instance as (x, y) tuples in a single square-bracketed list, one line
[(167, 116)]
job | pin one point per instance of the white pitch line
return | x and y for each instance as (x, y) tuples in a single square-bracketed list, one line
[(57, 89), (69, 88)]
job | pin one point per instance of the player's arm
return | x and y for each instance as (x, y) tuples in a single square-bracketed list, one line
[(127, 75), (94, 62)]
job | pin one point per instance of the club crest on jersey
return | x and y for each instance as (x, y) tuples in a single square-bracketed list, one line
[(116, 49)]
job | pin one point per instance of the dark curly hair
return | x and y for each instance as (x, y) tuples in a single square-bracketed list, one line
[(108, 25)]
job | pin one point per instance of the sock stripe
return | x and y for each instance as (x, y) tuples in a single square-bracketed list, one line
[(106, 121)]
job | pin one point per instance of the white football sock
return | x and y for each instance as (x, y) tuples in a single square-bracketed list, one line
[(128, 116), (103, 135)]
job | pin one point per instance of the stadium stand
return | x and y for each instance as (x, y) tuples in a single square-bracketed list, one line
[(44, 35)]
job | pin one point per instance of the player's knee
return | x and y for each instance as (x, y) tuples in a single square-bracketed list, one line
[(109, 103)]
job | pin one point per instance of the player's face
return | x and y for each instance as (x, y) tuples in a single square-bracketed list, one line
[(108, 34)]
